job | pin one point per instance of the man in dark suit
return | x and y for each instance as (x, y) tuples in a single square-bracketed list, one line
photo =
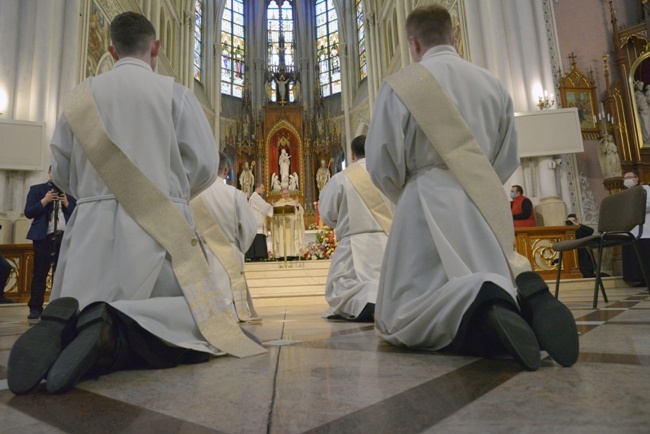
[(50, 208)]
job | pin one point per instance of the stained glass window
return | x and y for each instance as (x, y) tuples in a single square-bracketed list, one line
[(327, 47), (233, 48), (198, 27), (280, 14), (363, 67)]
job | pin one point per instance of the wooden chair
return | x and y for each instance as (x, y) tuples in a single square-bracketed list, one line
[(619, 214)]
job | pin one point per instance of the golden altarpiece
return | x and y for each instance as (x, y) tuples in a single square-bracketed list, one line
[(628, 99), (284, 141)]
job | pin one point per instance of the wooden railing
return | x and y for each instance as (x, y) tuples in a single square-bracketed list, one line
[(21, 257)]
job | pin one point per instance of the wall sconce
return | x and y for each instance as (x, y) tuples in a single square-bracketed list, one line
[(545, 101), (4, 100)]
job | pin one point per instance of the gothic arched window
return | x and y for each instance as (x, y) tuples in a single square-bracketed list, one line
[(327, 47), (198, 48), (233, 48), (279, 20), (363, 67)]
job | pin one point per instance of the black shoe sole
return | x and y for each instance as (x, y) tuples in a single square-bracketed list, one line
[(551, 320), (515, 335), (38, 348), (94, 331)]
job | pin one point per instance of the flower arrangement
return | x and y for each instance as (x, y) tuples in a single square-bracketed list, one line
[(324, 246)]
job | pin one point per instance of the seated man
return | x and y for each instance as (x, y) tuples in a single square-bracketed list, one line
[(288, 231), (351, 288), (138, 307), (227, 229)]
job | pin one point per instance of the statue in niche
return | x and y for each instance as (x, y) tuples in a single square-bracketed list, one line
[(247, 179), (269, 91), (610, 163), (275, 183), (293, 182), (643, 109), (284, 160), (295, 91), (323, 175)]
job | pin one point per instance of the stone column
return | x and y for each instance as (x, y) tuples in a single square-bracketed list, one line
[(551, 209)]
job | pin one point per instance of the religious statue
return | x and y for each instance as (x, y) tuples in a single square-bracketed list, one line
[(610, 163), (323, 175), (295, 91), (281, 83), (247, 179), (284, 160), (269, 91), (275, 182), (293, 182), (643, 108)]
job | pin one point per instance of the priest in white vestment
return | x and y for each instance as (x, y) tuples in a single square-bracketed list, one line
[(288, 231), (443, 260), (261, 210), (353, 277), (230, 210)]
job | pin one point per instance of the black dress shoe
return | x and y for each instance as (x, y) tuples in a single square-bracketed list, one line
[(515, 335), (92, 350), (6, 300), (551, 320), (36, 350)]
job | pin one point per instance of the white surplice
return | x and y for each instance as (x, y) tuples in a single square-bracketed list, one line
[(231, 211), (261, 210), (440, 249), (353, 276), (105, 254)]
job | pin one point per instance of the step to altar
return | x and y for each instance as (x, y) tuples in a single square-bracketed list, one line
[(294, 283), (303, 283)]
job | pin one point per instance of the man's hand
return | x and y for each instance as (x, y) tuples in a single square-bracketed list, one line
[(49, 197), (64, 199)]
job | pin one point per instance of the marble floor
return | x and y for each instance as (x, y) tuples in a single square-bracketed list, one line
[(334, 377)]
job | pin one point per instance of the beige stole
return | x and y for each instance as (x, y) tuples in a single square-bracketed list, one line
[(447, 131), (218, 242), (370, 195), (162, 220)]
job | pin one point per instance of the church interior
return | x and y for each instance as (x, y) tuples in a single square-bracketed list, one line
[(285, 86)]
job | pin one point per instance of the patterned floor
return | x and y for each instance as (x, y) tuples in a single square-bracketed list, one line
[(334, 377)]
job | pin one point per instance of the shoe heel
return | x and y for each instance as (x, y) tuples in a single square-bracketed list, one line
[(63, 310), (93, 314)]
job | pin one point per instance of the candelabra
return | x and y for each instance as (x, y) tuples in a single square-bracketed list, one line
[(545, 101), (605, 119)]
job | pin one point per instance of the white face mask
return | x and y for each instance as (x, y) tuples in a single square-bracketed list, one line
[(629, 182)]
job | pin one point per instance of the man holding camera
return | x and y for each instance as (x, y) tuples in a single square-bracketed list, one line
[(50, 208)]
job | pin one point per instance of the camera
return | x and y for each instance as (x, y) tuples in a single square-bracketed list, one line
[(568, 222), (53, 186)]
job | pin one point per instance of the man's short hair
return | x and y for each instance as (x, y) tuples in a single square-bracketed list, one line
[(572, 215), (258, 185), (430, 25), (518, 189), (131, 34), (223, 162), (358, 146)]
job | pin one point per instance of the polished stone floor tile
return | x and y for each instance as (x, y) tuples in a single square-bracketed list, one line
[(336, 377)]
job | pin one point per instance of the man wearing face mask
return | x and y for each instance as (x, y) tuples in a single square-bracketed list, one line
[(631, 271), (522, 208)]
